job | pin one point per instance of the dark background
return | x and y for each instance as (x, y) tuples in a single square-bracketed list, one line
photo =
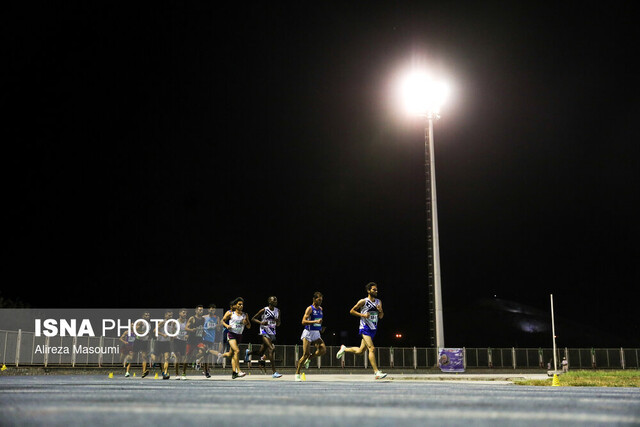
[(168, 155)]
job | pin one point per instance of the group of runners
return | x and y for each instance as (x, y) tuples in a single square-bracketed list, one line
[(202, 336)]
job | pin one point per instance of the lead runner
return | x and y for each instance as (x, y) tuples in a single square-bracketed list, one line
[(369, 310)]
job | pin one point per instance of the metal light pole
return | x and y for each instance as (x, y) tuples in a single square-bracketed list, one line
[(436, 325), (423, 97)]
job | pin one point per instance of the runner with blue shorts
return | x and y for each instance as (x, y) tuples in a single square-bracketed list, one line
[(369, 310)]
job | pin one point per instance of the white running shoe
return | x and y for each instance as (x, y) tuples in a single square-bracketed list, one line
[(306, 364), (380, 375), (241, 374), (276, 375), (298, 378), (340, 352)]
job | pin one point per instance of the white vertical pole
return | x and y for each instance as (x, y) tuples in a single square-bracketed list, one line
[(553, 331), (18, 343), (73, 353), (437, 286), (46, 353)]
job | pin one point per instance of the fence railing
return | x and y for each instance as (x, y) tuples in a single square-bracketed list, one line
[(20, 348)]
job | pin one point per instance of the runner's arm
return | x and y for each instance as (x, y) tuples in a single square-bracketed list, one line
[(256, 319), (355, 311)]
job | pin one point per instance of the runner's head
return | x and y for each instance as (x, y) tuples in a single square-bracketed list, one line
[(317, 298), (237, 304), (372, 289)]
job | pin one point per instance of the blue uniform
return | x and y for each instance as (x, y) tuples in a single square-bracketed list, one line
[(316, 313), (369, 326), (209, 329)]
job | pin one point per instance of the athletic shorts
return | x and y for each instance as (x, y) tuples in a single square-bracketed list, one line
[(272, 337), (180, 347), (125, 349), (233, 336), (163, 347), (311, 336), (141, 346), (368, 332)]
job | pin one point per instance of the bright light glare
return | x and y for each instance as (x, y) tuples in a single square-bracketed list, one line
[(422, 95)]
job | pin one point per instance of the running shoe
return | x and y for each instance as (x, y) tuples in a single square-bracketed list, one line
[(380, 375), (184, 377), (276, 375), (145, 373), (127, 374), (241, 374), (165, 376), (219, 359), (306, 364), (207, 374), (247, 356), (234, 375), (298, 378), (340, 352)]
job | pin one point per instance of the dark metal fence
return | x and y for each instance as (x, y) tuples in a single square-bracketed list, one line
[(20, 348)]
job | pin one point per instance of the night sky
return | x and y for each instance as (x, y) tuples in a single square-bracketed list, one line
[(180, 154)]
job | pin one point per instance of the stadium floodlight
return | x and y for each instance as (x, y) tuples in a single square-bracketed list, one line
[(423, 97)]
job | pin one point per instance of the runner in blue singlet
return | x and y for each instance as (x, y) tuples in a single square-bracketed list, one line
[(312, 322), (369, 310)]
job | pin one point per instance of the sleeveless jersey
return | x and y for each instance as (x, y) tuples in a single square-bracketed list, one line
[(161, 330), (142, 328), (370, 307), (198, 324), (316, 313), (271, 317), (236, 323), (182, 332), (210, 323)]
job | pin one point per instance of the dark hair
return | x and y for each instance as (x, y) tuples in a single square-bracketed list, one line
[(370, 285), (235, 301), (317, 295)]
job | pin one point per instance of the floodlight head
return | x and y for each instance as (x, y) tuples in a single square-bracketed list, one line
[(422, 95)]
